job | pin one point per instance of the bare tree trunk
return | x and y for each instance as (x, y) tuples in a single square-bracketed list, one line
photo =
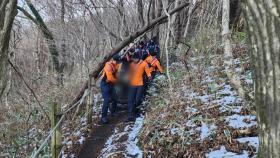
[(99, 19), (228, 57), (37, 54), (235, 14), (8, 11), (124, 27), (125, 42), (63, 45), (175, 23), (140, 9), (169, 30), (159, 10), (38, 20), (149, 11), (263, 21), (191, 9)]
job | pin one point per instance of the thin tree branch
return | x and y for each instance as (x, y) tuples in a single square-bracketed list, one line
[(94, 74), (31, 90)]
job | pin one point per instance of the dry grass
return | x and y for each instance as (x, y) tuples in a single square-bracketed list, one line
[(165, 133)]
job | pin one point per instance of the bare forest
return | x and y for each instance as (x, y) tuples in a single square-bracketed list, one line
[(139, 78)]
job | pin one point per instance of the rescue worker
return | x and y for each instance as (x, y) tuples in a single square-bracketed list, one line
[(107, 88), (137, 69), (154, 64), (140, 49)]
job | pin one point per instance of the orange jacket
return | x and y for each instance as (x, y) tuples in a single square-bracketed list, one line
[(137, 71), (155, 65), (110, 69)]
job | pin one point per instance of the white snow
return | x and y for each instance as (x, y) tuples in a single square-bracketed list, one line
[(190, 110), (254, 141), (208, 80), (130, 144), (190, 123), (205, 130), (132, 148), (78, 133), (109, 146), (223, 153), (236, 61), (69, 142), (236, 109), (238, 69), (82, 139), (236, 121), (226, 90), (204, 98)]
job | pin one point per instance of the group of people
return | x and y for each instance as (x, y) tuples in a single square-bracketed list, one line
[(143, 65)]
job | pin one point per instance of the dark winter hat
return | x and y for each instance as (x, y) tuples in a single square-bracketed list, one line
[(141, 43), (145, 55), (116, 57), (135, 56), (153, 53), (131, 50)]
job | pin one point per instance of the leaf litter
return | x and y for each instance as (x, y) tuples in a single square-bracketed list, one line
[(201, 115)]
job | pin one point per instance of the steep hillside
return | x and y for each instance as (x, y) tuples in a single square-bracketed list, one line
[(199, 114)]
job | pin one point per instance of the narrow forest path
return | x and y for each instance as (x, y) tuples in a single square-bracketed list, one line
[(100, 133), (117, 138)]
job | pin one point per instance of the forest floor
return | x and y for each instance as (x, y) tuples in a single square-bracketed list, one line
[(199, 115)]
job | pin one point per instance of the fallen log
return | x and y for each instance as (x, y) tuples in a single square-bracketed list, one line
[(124, 43)]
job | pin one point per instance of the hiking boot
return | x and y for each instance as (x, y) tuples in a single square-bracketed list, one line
[(104, 121), (138, 114), (130, 119), (114, 114)]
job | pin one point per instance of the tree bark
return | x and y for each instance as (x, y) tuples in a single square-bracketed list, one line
[(124, 26), (47, 34), (99, 19), (140, 9), (157, 8), (8, 11), (125, 42), (228, 57), (262, 19), (63, 41), (175, 22)]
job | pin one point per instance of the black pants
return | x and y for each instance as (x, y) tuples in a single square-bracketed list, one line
[(134, 99), (108, 92)]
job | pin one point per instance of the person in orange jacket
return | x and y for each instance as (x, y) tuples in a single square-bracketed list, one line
[(153, 62), (137, 69), (108, 79)]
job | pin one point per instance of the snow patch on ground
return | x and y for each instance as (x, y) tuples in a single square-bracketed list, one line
[(254, 141), (206, 130), (131, 147), (82, 139), (235, 109), (223, 153), (109, 146), (236, 121), (191, 110), (114, 142)]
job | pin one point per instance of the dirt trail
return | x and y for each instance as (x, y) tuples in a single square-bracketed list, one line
[(100, 133)]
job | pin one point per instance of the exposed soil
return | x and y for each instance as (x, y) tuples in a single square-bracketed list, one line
[(100, 133)]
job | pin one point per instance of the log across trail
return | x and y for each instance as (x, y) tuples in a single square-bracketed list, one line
[(94, 74)]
